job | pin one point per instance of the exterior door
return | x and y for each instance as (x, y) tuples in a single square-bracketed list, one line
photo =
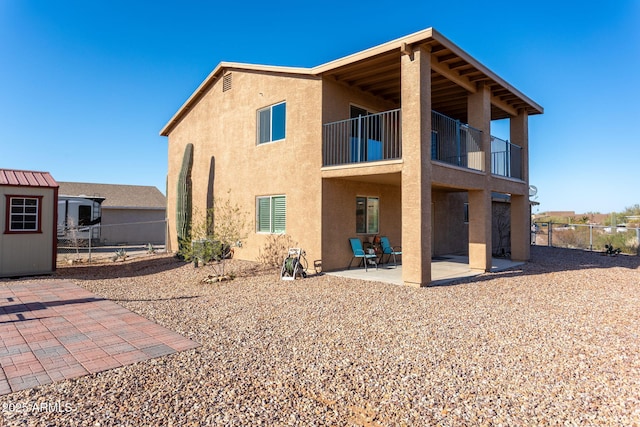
[(358, 134)]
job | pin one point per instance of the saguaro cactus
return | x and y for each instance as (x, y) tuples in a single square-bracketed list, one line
[(183, 205)]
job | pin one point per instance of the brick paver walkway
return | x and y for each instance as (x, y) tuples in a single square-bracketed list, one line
[(55, 330)]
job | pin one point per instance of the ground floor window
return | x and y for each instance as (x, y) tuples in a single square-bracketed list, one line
[(367, 215), (466, 213), (23, 214), (271, 214)]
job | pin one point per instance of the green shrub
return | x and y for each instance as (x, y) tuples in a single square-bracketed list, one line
[(624, 241), (214, 234)]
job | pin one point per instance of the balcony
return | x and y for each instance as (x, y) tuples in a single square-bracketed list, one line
[(506, 158), (455, 143), (367, 138), (378, 137)]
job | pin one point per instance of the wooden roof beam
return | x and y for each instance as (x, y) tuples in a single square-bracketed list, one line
[(470, 70), (376, 79), (367, 71), (458, 64), (442, 82), (375, 62), (444, 70), (448, 57), (504, 106), (449, 92)]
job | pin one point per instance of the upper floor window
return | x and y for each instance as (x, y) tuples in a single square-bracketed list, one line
[(23, 215), (272, 123)]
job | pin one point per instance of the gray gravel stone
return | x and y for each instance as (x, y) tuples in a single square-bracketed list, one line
[(553, 343)]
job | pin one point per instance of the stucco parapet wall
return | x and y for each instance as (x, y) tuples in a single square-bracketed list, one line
[(460, 177), (456, 176), (504, 184), (357, 169)]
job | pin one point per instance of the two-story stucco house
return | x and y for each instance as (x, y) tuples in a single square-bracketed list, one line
[(394, 140)]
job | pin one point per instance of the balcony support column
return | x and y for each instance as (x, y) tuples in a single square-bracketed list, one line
[(480, 206), (519, 130), (520, 228), (416, 170), (480, 218), (479, 114), (520, 205)]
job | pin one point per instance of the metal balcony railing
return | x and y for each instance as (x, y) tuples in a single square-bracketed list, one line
[(456, 143), (367, 138), (378, 137), (506, 158)]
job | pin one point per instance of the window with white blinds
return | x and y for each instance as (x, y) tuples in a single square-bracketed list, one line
[(271, 214)]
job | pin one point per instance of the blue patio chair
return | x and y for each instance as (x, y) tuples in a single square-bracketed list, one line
[(359, 252), (389, 250)]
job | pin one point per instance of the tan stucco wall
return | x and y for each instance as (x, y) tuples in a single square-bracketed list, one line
[(339, 217), (31, 253), (223, 126)]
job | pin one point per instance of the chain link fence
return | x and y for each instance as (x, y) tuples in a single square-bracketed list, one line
[(586, 236), (103, 242)]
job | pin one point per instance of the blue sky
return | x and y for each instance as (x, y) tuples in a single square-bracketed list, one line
[(86, 86)]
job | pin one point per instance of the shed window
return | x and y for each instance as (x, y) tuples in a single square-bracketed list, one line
[(23, 214)]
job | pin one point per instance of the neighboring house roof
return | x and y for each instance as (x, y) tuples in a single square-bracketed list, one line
[(454, 74), (116, 195), (20, 178)]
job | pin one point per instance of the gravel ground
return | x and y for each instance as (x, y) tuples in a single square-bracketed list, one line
[(553, 343)]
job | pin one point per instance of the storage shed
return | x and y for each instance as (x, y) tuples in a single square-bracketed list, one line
[(28, 215)]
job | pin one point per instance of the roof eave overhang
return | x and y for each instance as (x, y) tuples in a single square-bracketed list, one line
[(432, 37), (402, 44), (396, 44), (535, 108)]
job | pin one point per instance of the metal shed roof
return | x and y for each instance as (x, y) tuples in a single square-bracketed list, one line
[(20, 178)]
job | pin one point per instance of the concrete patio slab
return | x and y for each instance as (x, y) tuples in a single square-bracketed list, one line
[(444, 269), (55, 330)]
